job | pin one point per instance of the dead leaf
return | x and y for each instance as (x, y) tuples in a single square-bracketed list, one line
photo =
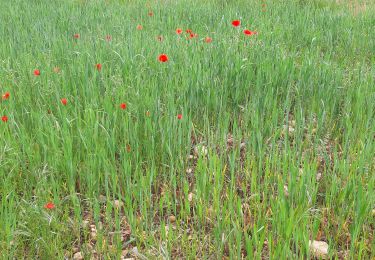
[(78, 256), (118, 204), (200, 150), (286, 192), (190, 196), (172, 218), (93, 236), (166, 228), (85, 224), (102, 198), (136, 253)]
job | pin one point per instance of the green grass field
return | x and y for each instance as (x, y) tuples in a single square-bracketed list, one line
[(237, 147)]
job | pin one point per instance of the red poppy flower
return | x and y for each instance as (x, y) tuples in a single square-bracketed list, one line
[(178, 31), (248, 32), (163, 58), (37, 72), (189, 31), (179, 116), (6, 95), (64, 101), (76, 36), (150, 13), (208, 40), (99, 66), (4, 119), (108, 38), (193, 35), (139, 27), (236, 23), (49, 205), (123, 106)]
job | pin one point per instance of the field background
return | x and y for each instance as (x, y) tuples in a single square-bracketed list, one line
[(275, 146)]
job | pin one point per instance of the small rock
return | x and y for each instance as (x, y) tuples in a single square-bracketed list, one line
[(78, 256), (319, 249)]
